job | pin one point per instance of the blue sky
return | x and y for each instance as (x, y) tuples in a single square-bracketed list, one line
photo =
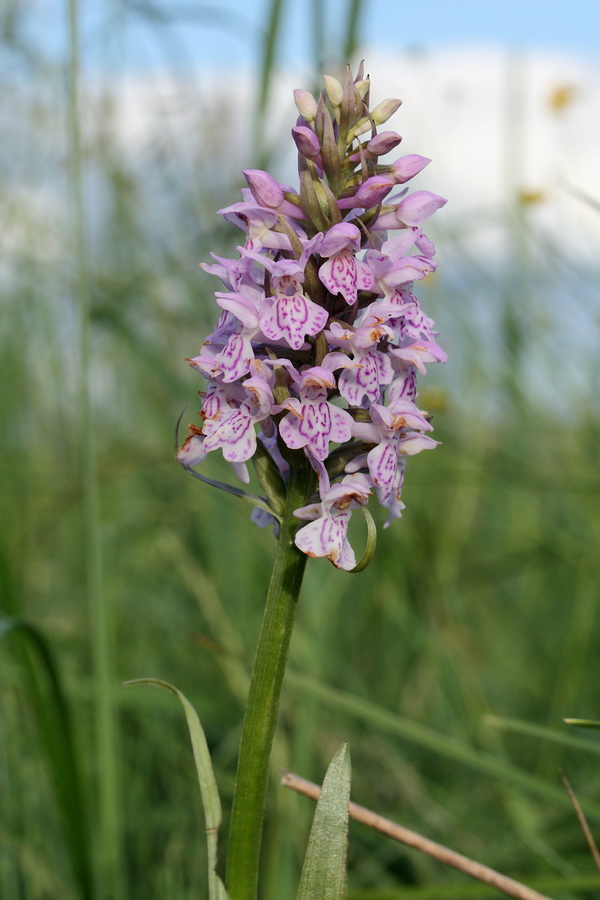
[(226, 33)]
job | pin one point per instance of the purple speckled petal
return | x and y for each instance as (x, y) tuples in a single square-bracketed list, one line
[(234, 360), (321, 422), (405, 386), (374, 370), (292, 318), (338, 274), (382, 462), (289, 429), (341, 424), (326, 537), (364, 276), (393, 501), (236, 437), (192, 452), (316, 427)]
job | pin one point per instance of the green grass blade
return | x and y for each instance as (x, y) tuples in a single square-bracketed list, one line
[(266, 74), (352, 30), (548, 734), (324, 870), (206, 779), (109, 830), (53, 719), (584, 723), (445, 746)]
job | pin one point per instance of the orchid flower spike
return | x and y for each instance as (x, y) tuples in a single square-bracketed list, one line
[(320, 336)]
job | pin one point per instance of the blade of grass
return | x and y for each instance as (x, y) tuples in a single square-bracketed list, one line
[(110, 871), (269, 47), (582, 820), (206, 779), (352, 30), (53, 719), (543, 733)]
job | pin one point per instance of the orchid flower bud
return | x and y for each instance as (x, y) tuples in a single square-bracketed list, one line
[(383, 142), (407, 167), (363, 87), (335, 92), (306, 141), (305, 104), (385, 110)]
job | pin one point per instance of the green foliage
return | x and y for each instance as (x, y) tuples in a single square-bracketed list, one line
[(324, 870), (44, 694), (206, 779), (584, 723)]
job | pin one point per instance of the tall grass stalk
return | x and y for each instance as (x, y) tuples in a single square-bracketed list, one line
[(267, 63), (109, 830)]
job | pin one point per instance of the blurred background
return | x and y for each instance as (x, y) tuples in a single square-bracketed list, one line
[(448, 664)]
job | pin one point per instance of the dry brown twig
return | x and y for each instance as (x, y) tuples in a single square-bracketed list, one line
[(581, 819), (412, 839)]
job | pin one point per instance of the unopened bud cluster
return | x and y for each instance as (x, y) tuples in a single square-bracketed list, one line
[(320, 336)]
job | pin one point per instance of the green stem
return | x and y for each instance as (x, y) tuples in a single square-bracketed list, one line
[(260, 718)]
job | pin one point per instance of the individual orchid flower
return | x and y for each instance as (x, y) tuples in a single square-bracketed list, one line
[(233, 362), (234, 272), (397, 430), (392, 428), (367, 369), (288, 314), (313, 421), (411, 323), (394, 266), (259, 224), (343, 273), (234, 431), (327, 534)]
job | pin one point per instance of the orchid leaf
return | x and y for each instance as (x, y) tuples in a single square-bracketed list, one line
[(206, 779), (249, 497), (324, 870)]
